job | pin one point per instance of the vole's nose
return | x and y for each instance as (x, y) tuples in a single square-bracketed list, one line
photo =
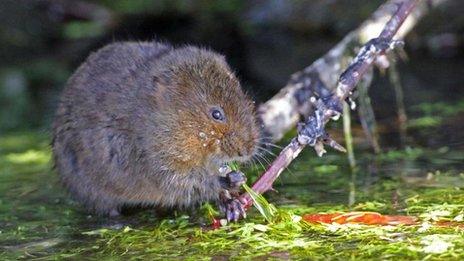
[(246, 149), (240, 144)]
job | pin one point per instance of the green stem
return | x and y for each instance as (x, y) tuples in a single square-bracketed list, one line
[(348, 135), (395, 80)]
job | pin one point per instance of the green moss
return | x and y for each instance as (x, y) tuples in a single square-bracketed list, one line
[(38, 220), (440, 108), (425, 121), (433, 114)]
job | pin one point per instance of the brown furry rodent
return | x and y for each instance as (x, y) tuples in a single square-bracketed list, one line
[(149, 124)]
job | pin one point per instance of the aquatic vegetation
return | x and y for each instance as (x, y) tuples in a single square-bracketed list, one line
[(38, 220), (433, 114)]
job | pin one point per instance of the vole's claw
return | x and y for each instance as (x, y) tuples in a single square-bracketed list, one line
[(234, 210), (231, 207), (233, 180)]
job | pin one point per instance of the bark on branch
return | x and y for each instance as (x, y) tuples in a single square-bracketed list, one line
[(329, 105), (282, 112)]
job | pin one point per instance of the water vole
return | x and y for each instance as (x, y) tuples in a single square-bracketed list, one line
[(149, 124)]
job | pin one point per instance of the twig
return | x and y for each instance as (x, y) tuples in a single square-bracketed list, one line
[(348, 136), (401, 111), (366, 112), (283, 111), (312, 132)]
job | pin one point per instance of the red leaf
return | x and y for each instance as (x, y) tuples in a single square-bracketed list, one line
[(445, 223), (215, 224), (367, 218)]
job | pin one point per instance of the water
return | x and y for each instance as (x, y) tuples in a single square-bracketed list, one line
[(39, 221), (424, 179)]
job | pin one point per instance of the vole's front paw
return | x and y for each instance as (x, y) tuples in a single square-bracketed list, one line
[(229, 203), (232, 208), (233, 180)]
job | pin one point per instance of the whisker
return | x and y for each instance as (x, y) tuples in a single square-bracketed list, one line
[(273, 145), (266, 141), (255, 164), (268, 151), (264, 168), (263, 157), (268, 161)]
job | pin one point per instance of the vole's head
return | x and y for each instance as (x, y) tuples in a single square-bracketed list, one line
[(208, 118)]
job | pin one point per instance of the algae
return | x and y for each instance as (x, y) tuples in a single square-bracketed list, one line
[(39, 221)]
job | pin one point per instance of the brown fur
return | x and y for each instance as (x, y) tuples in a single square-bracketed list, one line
[(134, 126)]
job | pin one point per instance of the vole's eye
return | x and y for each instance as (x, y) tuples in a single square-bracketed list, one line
[(217, 114)]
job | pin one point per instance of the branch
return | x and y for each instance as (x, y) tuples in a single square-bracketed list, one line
[(283, 111), (312, 132)]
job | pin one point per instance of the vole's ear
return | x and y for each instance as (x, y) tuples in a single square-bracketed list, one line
[(161, 95)]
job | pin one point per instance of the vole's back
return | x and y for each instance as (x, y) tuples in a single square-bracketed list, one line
[(143, 123), (93, 137)]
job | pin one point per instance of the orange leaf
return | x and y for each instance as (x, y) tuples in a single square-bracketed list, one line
[(366, 218)]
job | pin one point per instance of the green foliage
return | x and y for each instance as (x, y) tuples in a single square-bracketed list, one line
[(433, 114), (40, 221), (267, 210)]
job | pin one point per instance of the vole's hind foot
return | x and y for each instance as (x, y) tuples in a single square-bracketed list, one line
[(231, 206), (233, 180)]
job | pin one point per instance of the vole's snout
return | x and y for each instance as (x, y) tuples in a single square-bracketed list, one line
[(244, 151), (238, 146), (250, 147)]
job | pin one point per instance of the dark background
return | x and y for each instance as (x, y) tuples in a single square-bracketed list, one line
[(42, 42)]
